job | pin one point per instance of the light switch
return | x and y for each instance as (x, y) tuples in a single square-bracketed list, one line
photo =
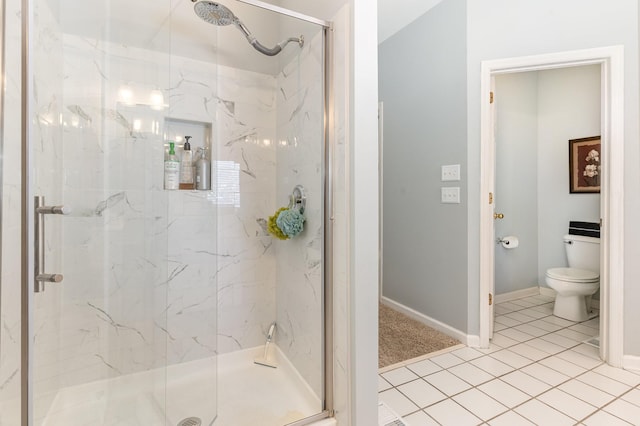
[(450, 195), (451, 172)]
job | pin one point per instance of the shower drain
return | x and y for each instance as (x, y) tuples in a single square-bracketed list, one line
[(190, 421)]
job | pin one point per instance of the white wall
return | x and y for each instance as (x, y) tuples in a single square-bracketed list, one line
[(519, 28), (537, 113)]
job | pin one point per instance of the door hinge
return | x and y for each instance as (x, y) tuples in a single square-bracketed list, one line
[(490, 97), (600, 223), (491, 198), (490, 299)]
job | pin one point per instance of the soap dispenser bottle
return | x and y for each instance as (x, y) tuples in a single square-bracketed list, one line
[(186, 166), (171, 169), (203, 171)]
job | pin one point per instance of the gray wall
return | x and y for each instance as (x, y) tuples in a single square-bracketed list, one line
[(520, 28), (423, 88), (537, 113)]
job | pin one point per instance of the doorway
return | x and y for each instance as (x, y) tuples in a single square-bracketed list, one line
[(610, 62)]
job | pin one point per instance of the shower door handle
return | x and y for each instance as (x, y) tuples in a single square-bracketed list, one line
[(40, 211)]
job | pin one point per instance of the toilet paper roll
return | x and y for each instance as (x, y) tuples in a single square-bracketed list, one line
[(509, 242)]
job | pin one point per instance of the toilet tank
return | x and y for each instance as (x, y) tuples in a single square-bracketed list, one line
[(583, 252)]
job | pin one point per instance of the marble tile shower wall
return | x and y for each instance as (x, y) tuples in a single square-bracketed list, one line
[(299, 287)]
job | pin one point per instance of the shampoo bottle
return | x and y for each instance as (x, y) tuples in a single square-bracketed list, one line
[(172, 169), (203, 171), (186, 166)]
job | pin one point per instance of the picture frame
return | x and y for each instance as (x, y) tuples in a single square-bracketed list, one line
[(585, 160)]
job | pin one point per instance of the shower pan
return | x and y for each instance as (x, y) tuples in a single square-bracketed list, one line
[(151, 306)]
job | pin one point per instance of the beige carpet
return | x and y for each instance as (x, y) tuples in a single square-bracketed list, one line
[(402, 338)]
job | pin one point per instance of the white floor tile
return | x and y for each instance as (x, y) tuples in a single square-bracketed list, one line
[(511, 358), (545, 346), (593, 323), (618, 374), (419, 419), (604, 383), (534, 313), (421, 393), (602, 418), (550, 327), (507, 321), (542, 414), (467, 353), (510, 419), (624, 410), (471, 374), (447, 382), (503, 341), (399, 376), (509, 306), (588, 350), (545, 374), (446, 360), (526, 383), (504, 393), (492, 365), (587, 393), (581, 328), (567, 404), (516, 335), (398, 402), (499, 327), (492, 348), (573, 335), (520, 317), (480, 404), (449, 413), (383, 384), (425, 367), (559, 340), (633, 397), (531, 330), (562, 366), (558, 321), (528, 351), (579, 359)]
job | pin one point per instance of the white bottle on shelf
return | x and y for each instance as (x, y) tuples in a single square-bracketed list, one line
[(172, 169)]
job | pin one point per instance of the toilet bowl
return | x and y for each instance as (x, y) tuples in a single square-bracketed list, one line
[(574, 288), (574, 285)]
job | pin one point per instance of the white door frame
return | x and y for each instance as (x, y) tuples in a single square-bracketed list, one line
[(611, 60)]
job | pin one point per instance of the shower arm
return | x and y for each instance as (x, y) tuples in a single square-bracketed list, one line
[(263, 49)]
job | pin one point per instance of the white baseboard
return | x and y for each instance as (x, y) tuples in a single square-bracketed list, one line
[(631, 362), (428, 321), (518, 294), (473, 341)]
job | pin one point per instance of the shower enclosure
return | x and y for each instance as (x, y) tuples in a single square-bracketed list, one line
[(131, 304)]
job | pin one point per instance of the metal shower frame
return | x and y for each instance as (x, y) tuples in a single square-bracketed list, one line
[(27, 207)]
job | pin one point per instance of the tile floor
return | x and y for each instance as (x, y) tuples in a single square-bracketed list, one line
[(537, 371)]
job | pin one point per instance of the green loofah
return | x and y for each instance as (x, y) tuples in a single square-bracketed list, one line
[(291, 222), (272, 226)]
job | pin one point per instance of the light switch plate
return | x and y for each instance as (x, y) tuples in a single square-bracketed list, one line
[(450, 195), (451, 172)]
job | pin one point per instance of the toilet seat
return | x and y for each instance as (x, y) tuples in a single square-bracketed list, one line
[(573, 275)]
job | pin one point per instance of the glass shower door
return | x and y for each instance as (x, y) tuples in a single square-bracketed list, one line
[(114, 310)]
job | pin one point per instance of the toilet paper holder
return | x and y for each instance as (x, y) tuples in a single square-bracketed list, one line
[(505, 241)]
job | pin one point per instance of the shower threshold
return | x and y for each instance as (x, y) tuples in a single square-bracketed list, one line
[(247, 394)]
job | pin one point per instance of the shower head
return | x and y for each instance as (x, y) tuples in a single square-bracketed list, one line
[(217, 14)]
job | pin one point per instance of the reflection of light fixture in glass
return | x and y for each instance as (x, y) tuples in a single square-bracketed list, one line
[(266, 142), (137, 125), (125, 94), (156, 100)]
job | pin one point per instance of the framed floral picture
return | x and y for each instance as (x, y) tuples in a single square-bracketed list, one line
[(585, 159)]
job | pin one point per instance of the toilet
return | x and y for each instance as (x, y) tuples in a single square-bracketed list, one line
[(576, 284)]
